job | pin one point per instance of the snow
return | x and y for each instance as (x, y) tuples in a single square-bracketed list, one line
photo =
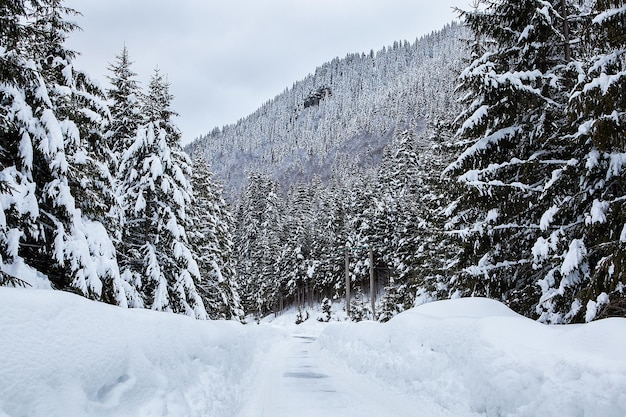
[(27, 274), (548, 217), (26, 150), (492, 216), (542, 247), (476, 118), (617, 162), (598, 212), (608, 14), (475, 357), (64, 355), (593, 159), (594, 306), (481, 145), (574, 257), (604, 82)]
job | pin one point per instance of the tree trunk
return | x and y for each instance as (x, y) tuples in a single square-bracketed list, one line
[(568, 52)]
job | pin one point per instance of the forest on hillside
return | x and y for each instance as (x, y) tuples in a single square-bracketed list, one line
[(485, 159)]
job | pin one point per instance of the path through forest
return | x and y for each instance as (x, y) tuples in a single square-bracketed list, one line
[(299, 379)]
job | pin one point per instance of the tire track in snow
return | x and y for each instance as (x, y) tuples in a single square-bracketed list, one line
[(296, 378)]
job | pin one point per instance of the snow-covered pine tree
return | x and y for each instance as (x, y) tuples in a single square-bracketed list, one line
[(155, 187), (582, 250), (328, 235), (437, 253), (360, 233), (514, 107), (80, 105), (415, 245), (124, 95), (396, 219), (296, 264), (258, 237), (212, 244), (58, 192), (18, 205)]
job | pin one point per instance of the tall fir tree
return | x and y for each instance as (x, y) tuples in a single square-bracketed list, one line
[(124, 95), (259, 238), (510, 158), (156, 253), (396, 219), (18, 204), (582, 248), (212, 244), (58, 188), (415, 245)]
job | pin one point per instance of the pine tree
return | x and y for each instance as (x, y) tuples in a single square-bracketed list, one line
[(154, 170), (396, 220), (212, 245), (582, 248), (514, 108), (435, 272), (58, 188), (296, 262), (414, 244), (125, 97), (329, 238), (18, 205), (259, 239)]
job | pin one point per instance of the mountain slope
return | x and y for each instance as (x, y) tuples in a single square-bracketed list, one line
[(339, 119)]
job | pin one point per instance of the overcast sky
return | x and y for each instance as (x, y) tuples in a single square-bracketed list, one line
[(224, 58)]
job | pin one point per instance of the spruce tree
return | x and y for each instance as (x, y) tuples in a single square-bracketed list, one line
[(296, 262), (59, 188), (259, 238), (212, 244), (582, 248), (329, 238), (154, 170), (124, 95), (18, 205), (514, 107), (397, 220)]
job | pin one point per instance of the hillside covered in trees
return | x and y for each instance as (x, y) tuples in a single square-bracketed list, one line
[(483, 160)]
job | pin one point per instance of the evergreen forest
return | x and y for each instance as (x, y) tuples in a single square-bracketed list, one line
[(486, 159)]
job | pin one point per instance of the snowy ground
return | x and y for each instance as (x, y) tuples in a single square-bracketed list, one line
[(475, 357), (62, 355)]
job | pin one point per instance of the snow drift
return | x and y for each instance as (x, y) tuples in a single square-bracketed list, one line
[(63, 355), (475, 357)]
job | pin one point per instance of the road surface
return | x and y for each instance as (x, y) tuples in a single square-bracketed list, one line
[(298, 379)]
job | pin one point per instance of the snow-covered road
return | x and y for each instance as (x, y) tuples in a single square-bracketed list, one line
[(298, 379)]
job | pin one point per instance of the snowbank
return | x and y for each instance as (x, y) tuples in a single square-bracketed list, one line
[(62, 355), (475, 357)]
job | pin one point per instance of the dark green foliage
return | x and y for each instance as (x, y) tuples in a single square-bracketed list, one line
[(55, 185), (542, 215), (212, 245), (125, 97), (154, 184)]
